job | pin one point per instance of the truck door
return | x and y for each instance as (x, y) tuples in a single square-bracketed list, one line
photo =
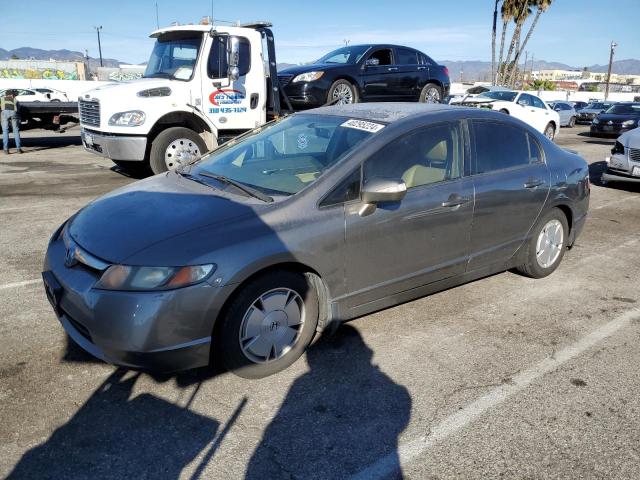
[(229, 104)]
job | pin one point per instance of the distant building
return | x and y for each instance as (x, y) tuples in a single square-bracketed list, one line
[(584, 75)]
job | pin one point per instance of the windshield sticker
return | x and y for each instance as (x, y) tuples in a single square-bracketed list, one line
[(303, 141), (363, 125)]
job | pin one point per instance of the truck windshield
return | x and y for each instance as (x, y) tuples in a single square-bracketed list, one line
[(174, 56), (282, 158)]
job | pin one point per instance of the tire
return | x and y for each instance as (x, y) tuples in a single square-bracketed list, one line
[(550, 131), (344, 89), (185, 141), (536, 266), (251, 355), (431, 93), (572, 122), (55, 100), (504, 110)]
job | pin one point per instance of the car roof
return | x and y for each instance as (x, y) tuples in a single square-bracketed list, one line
[(387, 112)]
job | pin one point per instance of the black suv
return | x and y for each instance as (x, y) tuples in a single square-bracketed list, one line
[(362, 73)]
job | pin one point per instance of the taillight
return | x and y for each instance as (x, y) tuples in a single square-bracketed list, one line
[(446, 71)]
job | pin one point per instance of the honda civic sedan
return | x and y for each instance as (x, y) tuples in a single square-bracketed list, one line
[(312, 220)]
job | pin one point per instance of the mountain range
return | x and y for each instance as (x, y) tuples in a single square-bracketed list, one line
[(471, 70)]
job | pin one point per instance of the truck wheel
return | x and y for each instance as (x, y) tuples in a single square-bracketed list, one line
[(173, 147), (342, 92), (431, 93)]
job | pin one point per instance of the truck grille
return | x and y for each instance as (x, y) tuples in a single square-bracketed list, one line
[(89, 112), (284, 80), (634, 154)]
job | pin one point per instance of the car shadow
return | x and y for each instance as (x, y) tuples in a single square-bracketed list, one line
[(48, 142), (597, 140)]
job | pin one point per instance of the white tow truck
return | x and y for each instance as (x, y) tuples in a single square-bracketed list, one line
[(203, 85)]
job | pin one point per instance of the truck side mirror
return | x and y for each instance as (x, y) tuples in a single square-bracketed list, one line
[(233, 58)]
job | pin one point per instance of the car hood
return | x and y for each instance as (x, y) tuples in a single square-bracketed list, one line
[(617, 117), (630, 139), (122, 224), (298, 69)]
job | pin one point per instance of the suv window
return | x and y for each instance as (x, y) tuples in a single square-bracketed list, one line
[(425, 156), (407, 56), (217, 63), (540, 104), (499, 146), (383, 56)]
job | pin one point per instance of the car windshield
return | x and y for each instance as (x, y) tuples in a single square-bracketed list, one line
[(283, 157), (597, 106), (174, 56), (625, 109), (504, 96), (344, 55)]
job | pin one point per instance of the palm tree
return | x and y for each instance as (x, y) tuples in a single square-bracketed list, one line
[(523, 11), (541, 7), (507, 12), (493, 43)]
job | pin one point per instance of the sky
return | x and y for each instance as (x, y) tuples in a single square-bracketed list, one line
[(575, 32)]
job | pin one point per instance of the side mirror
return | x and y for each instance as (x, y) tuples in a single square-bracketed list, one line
[(380, 190), (233, 58), (372, 62)]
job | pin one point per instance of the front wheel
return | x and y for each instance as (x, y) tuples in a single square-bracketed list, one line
[(173, 147), (342, 92), (268, 324), (431, 93), (547, 245), (550, 131)]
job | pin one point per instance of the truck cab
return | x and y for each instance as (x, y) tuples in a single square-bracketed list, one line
[(203, 84)]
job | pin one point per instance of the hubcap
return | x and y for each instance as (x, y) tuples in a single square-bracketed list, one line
[(179, 152), (550, 243), (343, 93), (549, 132), (432, 96), (272, 325)]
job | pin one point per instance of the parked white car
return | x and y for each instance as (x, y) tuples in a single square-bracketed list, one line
[(27, 95), (522, 105), (624, 163), (53, 95)]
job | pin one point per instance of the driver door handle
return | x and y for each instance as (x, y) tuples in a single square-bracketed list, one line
[(455, 201), (392, 69), (533, 183)]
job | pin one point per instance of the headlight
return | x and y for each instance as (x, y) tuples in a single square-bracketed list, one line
[(628, 123), (132, 118), (308, 77), (123, 277), (595, 121)]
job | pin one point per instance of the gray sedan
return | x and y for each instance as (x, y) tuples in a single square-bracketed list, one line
[(566, 112), (315, 219)]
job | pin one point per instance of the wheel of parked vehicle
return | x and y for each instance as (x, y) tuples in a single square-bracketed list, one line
[(269, 324), (431, 93), (550, 131), (547, 245), (55, 99), (504, 110), (342, 92), (572, 122), (173, 147)]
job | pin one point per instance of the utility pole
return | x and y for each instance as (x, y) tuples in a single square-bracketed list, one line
[(613, 49), (99, 45), (524, 70)]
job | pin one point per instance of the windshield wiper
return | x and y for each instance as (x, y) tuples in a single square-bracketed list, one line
[(240, 186), (193, 178)]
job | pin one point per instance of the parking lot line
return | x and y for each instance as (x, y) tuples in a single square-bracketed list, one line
[(411, 450), (24, 283)]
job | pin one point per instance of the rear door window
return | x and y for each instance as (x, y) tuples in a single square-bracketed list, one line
[(407, 56), (500, 146)]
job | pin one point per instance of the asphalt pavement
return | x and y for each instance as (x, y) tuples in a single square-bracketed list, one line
[(505, 377)]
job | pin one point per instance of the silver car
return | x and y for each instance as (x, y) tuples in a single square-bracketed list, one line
[(624, 163), (566, 112), (315, 219)]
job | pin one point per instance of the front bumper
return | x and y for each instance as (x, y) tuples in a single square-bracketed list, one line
[(307, 94), (606, 130), (162, 331), (621, 168), (585, 117), (113, 146)]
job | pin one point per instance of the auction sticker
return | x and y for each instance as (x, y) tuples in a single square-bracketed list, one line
[(363, 125)]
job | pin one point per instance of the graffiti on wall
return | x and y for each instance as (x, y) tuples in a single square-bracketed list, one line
[(32, 73)]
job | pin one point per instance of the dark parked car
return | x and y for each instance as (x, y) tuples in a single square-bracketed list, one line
[(317, 218), (578, 105), (588, 113), (619, 118), (365, 73)]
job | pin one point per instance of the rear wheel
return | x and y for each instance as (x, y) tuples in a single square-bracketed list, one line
[(504, 110), (547, 245), (342, 92), (550, 131), (431, 93), (173, 147), (572, 122), (268, 324)]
